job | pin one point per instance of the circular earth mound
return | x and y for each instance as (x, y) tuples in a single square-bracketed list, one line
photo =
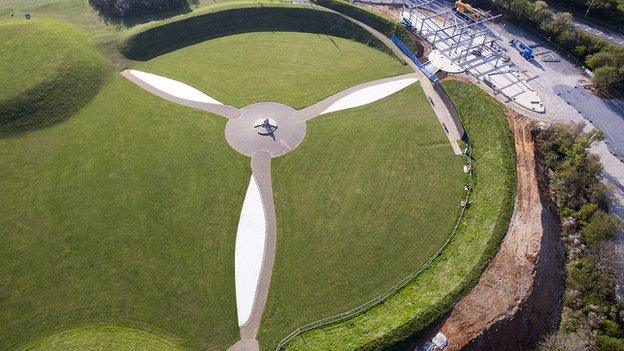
[(50, 70)]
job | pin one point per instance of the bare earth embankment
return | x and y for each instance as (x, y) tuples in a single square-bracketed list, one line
[(518, 296)]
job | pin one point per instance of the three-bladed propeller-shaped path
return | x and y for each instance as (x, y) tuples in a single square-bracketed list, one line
[(256, 234)]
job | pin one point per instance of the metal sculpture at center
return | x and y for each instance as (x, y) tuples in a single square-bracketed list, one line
[(265, 126)]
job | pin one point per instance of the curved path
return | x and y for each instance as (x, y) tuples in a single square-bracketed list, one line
[(256, 233), (254, 262)]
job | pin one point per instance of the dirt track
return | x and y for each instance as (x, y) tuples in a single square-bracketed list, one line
[(518, 296)]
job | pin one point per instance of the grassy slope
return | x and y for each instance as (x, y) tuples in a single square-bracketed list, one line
[(49, 70), (103, 338), (297, 69), (124, 214), (370, 195), (457, 269)]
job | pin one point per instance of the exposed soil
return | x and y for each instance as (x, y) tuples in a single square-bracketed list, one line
[(518, 297)]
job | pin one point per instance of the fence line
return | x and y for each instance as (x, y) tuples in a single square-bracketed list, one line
[(403, 282)]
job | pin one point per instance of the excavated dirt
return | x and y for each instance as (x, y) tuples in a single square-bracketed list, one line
[(518, 297)]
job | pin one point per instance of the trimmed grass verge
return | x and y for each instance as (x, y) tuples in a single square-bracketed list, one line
[(174, 35), (460, 264), (49, 71)]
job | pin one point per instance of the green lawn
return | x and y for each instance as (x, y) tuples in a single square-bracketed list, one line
[(369, 196), (46, 77), (297, 69), (124, 214), (457, 269)]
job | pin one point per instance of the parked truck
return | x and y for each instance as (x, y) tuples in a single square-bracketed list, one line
[(525, 50)]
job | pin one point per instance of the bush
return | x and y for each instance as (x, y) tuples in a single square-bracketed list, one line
[(612, 329), (128, 8), (175, 35), (607, 343), (601, 226), (564, 342), (606, 77)]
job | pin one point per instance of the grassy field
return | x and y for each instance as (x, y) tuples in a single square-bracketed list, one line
[(297, 69), (124, 214), (457, 269), (369, 196), (47, 77)]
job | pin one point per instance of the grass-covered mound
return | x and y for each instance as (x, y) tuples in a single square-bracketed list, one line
[(368, 198), (297, 69), (460, 264), (155, 41), (49, 71), (105, 338)]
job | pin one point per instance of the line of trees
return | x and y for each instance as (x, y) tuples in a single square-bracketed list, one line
[(606, 60), (608, 11), (593, 318)]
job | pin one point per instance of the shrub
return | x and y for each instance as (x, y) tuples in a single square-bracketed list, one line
[(601, 226), (564, 342), (612, 329), (607, 343), (606, 77)]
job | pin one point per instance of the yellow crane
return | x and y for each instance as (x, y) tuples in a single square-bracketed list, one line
[(469, 10)]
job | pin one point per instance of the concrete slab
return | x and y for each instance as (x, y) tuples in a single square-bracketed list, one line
[(443, 62), (241, 135), (179, 93)]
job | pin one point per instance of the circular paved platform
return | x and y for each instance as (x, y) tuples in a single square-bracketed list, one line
[(242, 136)]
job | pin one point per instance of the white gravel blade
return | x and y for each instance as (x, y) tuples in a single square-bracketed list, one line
[(173, 87), (369, 94), (250, 242)]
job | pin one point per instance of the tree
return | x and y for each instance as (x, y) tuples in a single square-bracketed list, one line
[(606, 77)]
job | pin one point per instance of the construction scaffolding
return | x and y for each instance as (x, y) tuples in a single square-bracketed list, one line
[(462, 41)]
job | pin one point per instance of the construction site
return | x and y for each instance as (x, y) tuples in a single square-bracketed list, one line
[(462, 41)]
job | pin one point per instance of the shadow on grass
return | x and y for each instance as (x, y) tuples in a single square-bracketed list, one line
[(45, 105), (172, 36), (132, 19)]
